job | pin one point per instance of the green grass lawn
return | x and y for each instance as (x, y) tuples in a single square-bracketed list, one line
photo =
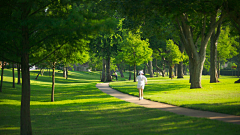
[(221, 97), (80, 108)]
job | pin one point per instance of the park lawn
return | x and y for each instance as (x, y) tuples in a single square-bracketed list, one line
[(223, 97), (80, 108)]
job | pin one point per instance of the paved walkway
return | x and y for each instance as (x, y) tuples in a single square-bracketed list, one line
[(104, 87)]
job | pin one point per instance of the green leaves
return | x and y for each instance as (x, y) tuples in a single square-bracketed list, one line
[(227, 45), (134, 50), (174, 56)]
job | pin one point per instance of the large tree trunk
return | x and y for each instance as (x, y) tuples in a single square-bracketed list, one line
[(120, 70), (108, 69), (150, 68), (196, 68), (196, 56), (190, 71), (26, 128), (103, 70), (2, 76), (19, 75), (53, 81), (13, 75), (180, 70), (213, 54)]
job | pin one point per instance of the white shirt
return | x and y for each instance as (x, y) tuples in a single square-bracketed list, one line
[(141, 79)]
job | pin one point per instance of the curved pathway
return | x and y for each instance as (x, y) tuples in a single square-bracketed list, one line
[(104, 87)]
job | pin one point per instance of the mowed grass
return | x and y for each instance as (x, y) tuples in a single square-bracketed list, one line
[(223, 97), (80, 108)]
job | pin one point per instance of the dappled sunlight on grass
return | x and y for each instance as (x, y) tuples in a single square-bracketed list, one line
[(70, 101), (10, 128), (80, 108), (220, 97), (10, 102)]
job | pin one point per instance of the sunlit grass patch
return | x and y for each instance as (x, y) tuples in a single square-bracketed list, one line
[(221, 97), (80, 108)]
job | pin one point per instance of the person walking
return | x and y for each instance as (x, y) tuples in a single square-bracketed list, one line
[(116, 75), (142, 80)]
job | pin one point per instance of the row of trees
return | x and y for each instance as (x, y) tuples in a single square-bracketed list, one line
[(195, 23), (36, 32), (46, 33)]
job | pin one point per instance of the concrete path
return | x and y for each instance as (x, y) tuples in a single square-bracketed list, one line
[(104, 87)]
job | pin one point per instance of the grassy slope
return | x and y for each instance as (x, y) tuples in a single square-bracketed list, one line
[(80, 108), (221, 97)]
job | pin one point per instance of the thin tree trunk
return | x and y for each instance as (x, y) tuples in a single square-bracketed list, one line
[(49, 72), (170, 72), (103, 70), (150, 68), (13, 75), (38, 74), (108, 69), (163, 70), (53, 81), (134, 72), (26, 128), (2, 76), (175, 70), (144, 70), (156, 67), (180, 65), (66, 72), (120, 70), (218, 69), (42, 72), (130, 74), (238, 66), (19, 75), (213, 63)]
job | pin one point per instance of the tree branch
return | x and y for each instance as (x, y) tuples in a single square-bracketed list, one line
[(49, 54), (189, 39), (9, 60), (212, 28), (159, 69), (40, 8)]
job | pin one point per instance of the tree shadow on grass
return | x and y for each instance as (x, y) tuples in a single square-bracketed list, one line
[(103, 119), (150, 89), (113, 118), (169, 87), (232, 108)]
